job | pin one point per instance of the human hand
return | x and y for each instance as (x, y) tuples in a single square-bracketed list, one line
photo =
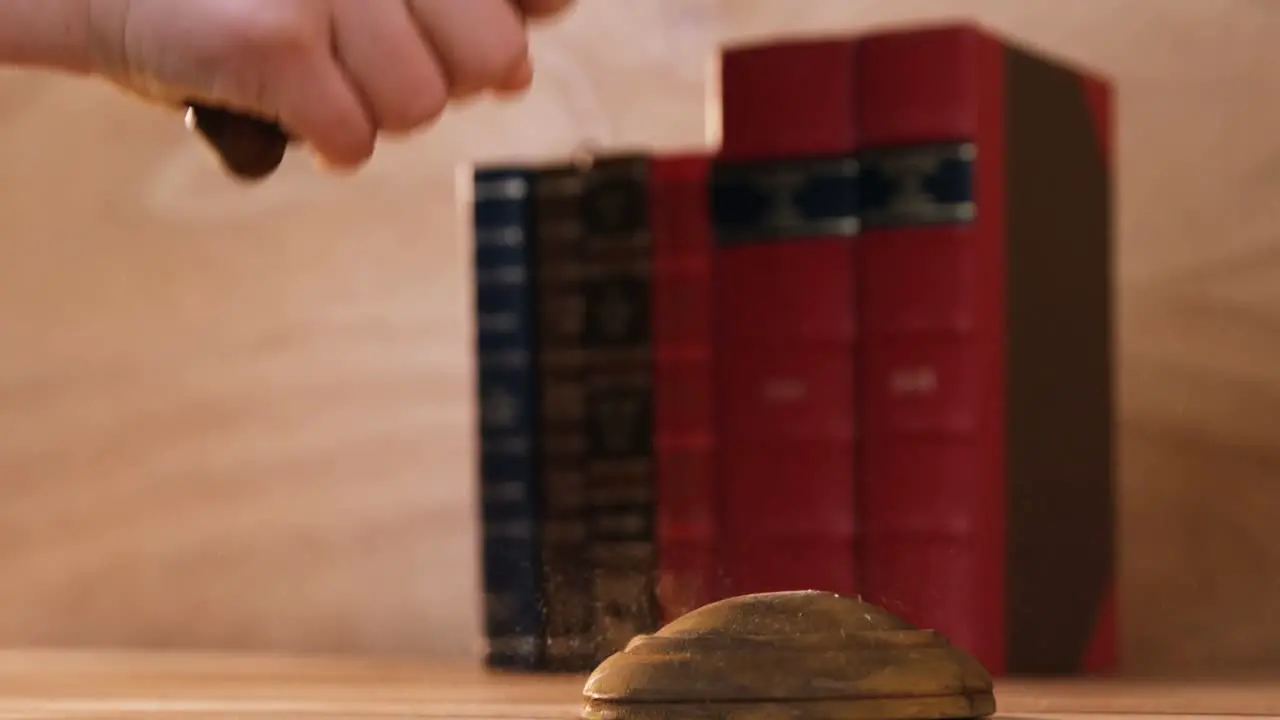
[(335, 74)]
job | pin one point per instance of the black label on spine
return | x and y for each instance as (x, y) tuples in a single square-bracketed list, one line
[(918, 184)]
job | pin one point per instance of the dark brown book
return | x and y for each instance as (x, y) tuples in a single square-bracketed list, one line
[(561, 281), (619, 400)]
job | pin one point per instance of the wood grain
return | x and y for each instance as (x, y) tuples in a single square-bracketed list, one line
[(222, 685), (241, 419)]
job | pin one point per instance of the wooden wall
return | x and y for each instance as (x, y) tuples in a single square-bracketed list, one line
[(241, 418)]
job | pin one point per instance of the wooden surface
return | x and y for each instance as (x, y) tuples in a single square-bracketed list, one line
[(241, 419), (141, 685)]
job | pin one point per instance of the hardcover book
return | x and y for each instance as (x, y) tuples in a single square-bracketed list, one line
[(508, 402)]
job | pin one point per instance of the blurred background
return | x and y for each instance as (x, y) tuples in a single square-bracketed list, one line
[(242, 418)]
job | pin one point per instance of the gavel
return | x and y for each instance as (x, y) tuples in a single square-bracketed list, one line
[(250, 148)]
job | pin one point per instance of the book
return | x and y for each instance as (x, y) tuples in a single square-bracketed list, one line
[(507, 400), (618, 398), (986, 476), (686, 505), (580, 247), (561, 285), (784, 198)]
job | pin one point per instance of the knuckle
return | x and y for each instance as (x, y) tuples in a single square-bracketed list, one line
[(274, 34), (493, 63)]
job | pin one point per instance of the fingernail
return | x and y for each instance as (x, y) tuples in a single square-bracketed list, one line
[(520, 78), (329, 165)]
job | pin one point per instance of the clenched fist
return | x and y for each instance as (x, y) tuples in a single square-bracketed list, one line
[(334, 73)]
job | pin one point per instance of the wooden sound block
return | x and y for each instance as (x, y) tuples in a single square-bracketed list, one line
[(800, 654)]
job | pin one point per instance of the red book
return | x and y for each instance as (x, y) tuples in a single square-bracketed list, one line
[(987, 499), (783, 194), (688, 567)]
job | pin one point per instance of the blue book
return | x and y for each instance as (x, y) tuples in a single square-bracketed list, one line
[(507, 389)]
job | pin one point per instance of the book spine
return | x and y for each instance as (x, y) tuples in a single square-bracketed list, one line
[(933, 481), (686, 500), (931, 522), (785, 208), (561, 301), (988, 469), (507, 400), (768, 114), (619, 400)]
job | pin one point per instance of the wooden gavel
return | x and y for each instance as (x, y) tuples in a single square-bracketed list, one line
[(250, 148)]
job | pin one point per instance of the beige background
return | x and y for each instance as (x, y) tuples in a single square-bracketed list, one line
[(234, 418)]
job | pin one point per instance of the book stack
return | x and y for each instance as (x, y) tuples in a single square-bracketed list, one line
[(862, 346)]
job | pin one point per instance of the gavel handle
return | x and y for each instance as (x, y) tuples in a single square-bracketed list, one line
[(250, 148)]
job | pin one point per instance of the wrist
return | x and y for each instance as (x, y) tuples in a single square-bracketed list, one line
[(45, 33)]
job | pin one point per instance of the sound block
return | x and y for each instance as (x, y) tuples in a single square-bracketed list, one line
[(804, 654)]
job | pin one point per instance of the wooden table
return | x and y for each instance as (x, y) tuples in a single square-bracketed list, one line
[(207, 687)]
